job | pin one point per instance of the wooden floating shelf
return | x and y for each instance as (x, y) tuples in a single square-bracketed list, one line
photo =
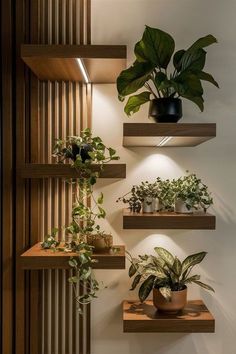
[(102, 63), (38, 258), (168, 220), (175, 134), (35, 170), (143, 317)]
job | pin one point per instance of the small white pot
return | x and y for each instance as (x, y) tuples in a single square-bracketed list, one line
[(156, 204), (180, 207), (147, 205)]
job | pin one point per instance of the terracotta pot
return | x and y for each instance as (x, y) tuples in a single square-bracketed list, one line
[(177, 303), (147, 205), (180, 207), (165, 110), (101, 243)]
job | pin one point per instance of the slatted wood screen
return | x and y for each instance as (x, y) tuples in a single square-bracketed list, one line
[(45, 320)]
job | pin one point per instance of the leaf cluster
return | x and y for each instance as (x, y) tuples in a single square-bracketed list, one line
[(149, 71), (164, 272), (189, 188)]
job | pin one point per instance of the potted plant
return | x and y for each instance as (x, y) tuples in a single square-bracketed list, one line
[(167, 276), (166, 195), (191, 194), (84, 235), (163, 89), (148, 195)]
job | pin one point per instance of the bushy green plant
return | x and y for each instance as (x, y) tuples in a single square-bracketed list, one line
[(164, 272), (192, 192), (149, 71)]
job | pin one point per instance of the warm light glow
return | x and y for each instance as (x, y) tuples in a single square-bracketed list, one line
[(83, 70), (164, 140)]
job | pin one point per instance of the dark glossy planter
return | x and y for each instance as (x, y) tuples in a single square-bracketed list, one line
[(166, 110), (82, 151)]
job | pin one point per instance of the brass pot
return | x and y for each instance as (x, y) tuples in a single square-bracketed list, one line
[(101, 243), (177, 303)]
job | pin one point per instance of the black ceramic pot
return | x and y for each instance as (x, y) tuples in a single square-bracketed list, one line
[(82, 150), (166, 110)]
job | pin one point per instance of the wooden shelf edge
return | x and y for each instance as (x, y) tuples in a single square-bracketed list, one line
[(180, 134), (144, 318), (195, 221), (37, 258), (34, 170)]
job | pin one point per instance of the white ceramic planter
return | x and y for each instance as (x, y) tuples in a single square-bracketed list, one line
[(180, 207), (147, 205), (156, 204)]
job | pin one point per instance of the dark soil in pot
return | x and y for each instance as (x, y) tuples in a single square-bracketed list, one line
[(166, 110)]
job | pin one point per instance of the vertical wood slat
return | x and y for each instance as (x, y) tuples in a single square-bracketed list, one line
[(6, 257)]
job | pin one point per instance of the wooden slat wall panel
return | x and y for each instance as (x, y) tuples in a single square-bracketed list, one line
[(64, 110)]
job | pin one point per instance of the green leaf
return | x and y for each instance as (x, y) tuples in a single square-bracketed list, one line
[(192, 260), (133, 78), (100, 199), (156, 47), (177, 267), (190, 279), (146, 288), (73, 280), (199, 101), (165, 255), (132, 270), (159, 78), (165, 292), (177, 59), (207, 77), (157, 272), (112, 152), (203, 285), (203, 42), (194, 57), (136, 281), (134, 102)]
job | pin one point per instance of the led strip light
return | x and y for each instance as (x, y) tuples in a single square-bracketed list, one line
[(164, 140), (83, 71)]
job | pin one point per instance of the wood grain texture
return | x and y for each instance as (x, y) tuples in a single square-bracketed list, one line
[(182, 134), (59, 62), (38, 258), (144, 317), (66, 171), (171, 220)]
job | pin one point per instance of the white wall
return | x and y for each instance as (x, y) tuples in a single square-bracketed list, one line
[(122, 22)]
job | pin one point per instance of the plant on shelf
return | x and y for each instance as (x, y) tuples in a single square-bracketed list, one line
[(132, 199), (83, 152), (83, 234), (191, 194), (163, 89), (167, 276), (166, 195)]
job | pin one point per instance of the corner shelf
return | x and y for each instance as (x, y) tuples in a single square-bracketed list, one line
[(143, 317), (168, 220), (38, 258), (34, 170), (102, 63), (179, 134)]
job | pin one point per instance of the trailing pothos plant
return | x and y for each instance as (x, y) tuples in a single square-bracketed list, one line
[(82, 152), (150, 71), (164, 272), (192, 191)]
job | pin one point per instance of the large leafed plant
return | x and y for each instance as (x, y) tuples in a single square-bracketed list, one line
[(164, 272), (150, 71)]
